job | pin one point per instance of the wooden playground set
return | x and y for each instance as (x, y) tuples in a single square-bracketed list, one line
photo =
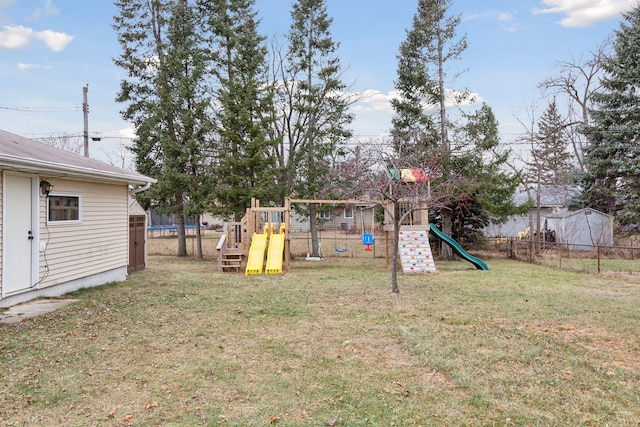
[(261, 241)]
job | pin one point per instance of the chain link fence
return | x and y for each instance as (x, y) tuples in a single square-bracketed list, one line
[(574, 257)]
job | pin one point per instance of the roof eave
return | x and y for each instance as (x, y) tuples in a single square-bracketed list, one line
[(44, 167)]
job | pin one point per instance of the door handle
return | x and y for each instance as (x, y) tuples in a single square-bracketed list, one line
[(30, 235)]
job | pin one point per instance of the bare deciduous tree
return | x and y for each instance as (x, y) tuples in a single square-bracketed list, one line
[(578, 80), (70, 143)]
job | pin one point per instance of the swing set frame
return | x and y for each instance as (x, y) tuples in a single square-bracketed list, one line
[(238, 235), (355, 203)]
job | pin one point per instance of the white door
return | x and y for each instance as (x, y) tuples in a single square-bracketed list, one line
[(19, 234)]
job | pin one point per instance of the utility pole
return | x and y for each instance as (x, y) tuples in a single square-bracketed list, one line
[(85, 111)]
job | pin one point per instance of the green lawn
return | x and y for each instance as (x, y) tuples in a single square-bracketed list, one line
[(327, 344)]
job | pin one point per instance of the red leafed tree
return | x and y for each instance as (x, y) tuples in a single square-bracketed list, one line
[(400, 195)]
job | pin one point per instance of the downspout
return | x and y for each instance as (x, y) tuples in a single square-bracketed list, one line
[(141, 189)]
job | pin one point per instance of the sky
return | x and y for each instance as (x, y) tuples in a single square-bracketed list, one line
[(51, 49)]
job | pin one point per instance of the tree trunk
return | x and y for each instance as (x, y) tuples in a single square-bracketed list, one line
[(394, 254), (199, 254), (395, 251), (446, 253), (538, 212), (182, 240), (313, 229)]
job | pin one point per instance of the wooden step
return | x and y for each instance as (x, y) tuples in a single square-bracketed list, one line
[(230, 260), (233, 251)]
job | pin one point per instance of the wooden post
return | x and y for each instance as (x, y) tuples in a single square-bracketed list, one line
[(85, 111), (560, 255), (287, 235)]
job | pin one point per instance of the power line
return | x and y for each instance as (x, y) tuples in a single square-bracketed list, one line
[(40, 109)]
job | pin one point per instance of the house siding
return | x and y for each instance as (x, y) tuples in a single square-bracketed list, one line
[(1, 225), (99, 243)]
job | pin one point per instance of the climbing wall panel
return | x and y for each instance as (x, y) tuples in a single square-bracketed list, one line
[(415, 252)]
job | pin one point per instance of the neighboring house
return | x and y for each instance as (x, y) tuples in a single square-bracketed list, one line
[(351, 218), (64, 220), (553, 198), (581, 229), (578, 229)]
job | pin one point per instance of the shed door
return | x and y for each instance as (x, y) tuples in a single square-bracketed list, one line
[(19, 234), (136, 243)]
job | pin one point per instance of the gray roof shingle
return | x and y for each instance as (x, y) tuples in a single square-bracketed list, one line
[(550, 195), (19, 153)]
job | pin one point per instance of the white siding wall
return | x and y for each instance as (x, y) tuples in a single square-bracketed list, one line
[(583, 229), (97, 244), (1, 222)]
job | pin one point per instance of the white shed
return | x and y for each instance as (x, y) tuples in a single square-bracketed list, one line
[(582, 229), (64, 220)]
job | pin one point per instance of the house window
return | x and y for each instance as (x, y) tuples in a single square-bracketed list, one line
[(63, 208), (325, 215), (348, 212)]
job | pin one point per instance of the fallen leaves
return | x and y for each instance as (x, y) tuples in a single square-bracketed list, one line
[(113, 411), (129, 417)]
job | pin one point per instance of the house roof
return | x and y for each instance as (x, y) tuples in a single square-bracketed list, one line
[(26, 155), (550, 195), (584, 211)]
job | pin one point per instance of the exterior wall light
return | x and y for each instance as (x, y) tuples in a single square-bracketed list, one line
[(45, 188)]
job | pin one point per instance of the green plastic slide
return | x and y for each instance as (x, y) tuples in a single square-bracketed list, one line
[(480, 265)]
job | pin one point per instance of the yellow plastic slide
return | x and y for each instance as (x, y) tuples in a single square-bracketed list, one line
[(274, 254), (256, 254)]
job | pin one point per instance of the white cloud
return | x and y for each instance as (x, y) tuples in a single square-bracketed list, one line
[(127, 133), (15, 37), (374, 100), (56, 41), (374, 112), (48, 8), (22, 66), (581, 13), (506, 20)]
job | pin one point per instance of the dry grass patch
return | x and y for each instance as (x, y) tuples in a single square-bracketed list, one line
[(181, 344)]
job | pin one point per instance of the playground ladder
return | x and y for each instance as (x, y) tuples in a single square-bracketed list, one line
[(230, 259)]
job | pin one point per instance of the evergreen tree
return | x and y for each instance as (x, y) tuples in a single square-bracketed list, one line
[(612, 181), (245, 161), (483, 187), (164, 64), (430, 45), (413, 131), (551, 162), (312, 122)]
